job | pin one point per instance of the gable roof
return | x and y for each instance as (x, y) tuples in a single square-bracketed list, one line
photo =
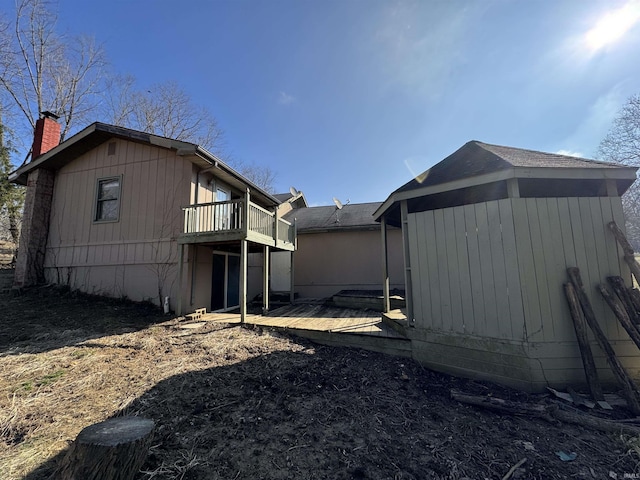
[(98, 133), (297, 201), (353, 216), (477, 163)]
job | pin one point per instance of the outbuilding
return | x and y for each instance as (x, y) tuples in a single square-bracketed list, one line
[(488, 234)]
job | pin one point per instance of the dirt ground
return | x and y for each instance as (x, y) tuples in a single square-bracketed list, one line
[(237, 403)]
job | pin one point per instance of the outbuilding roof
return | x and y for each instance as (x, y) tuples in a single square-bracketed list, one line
[(477, 158), (477, 163)]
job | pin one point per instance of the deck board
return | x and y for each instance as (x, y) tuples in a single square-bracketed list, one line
[(314, 317)]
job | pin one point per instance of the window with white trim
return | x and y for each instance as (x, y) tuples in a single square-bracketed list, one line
[(108, 199)]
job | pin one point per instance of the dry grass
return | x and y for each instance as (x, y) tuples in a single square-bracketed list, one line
[(48, 396), (234, 403)]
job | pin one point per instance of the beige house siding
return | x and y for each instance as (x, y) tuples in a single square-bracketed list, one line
[(200, 280), (488, 287), (328, 262), (136, 254)]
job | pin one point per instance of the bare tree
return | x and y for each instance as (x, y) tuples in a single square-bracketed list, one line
[(43, 70), (262, 175), (163, 109), (622, 145), (11, 195)]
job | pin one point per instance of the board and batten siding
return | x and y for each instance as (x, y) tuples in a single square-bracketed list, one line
[(124, 257), (464, 269), (488, 286)]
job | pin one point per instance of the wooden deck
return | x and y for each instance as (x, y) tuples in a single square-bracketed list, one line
[(327, 325)]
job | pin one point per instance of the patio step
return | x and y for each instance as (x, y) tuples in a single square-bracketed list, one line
[(368, 299), (397, 320)]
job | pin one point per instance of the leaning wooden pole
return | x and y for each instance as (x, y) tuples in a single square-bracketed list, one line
[(624, 294), (629, 254), (580, 327), (620, 312), (630, 390), (634, 295)]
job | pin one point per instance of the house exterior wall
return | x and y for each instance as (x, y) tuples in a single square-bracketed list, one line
[(200, 282), (325, 263), (137, 255), (488, 288)]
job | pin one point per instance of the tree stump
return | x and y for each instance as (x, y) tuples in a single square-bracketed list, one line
[(111, 450)]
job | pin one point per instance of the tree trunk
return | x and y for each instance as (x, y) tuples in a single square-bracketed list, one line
[(111, 450), (550, 413)]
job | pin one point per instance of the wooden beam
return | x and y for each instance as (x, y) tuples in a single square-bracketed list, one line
[(180, 278), (630, 390), (580, 327), (513, 188), (243, 281), (386, 307), (408, 294), (292, 293), (547, 412), (621, 238), (245, 213), (276, 221), (624, 294), (629, 254), (265, 280), (621, 313)]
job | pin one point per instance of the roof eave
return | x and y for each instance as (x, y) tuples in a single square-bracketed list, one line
[(197, 154), (20, 174), (615, 172), (213, 160)]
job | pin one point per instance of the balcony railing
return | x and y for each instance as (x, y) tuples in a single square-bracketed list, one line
[(224, 218)]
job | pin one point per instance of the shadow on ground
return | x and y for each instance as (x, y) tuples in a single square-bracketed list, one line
[(336, 413), (50, 317)]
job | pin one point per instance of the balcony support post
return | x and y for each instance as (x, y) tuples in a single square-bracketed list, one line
[(385, 266), (276, 221), (292, 293), (180, 277), (265, 280), (245, 213), (243, 281)]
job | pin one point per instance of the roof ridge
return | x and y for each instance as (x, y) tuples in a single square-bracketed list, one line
[(540, 152)]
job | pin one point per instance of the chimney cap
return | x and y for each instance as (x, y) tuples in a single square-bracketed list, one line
[(48, 114)]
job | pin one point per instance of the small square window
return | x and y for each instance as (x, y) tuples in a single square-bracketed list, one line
[(108, 200)]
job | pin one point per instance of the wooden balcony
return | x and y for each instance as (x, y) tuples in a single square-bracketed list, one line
[(231, 220)]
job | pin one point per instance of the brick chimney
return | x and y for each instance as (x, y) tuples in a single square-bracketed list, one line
[(37, 207), (47, 134)]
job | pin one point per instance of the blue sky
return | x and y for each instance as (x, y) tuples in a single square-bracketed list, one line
[(352, 98)]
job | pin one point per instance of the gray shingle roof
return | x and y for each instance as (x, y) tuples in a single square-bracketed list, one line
[(350, 217), (477, 158), (282, 197)]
